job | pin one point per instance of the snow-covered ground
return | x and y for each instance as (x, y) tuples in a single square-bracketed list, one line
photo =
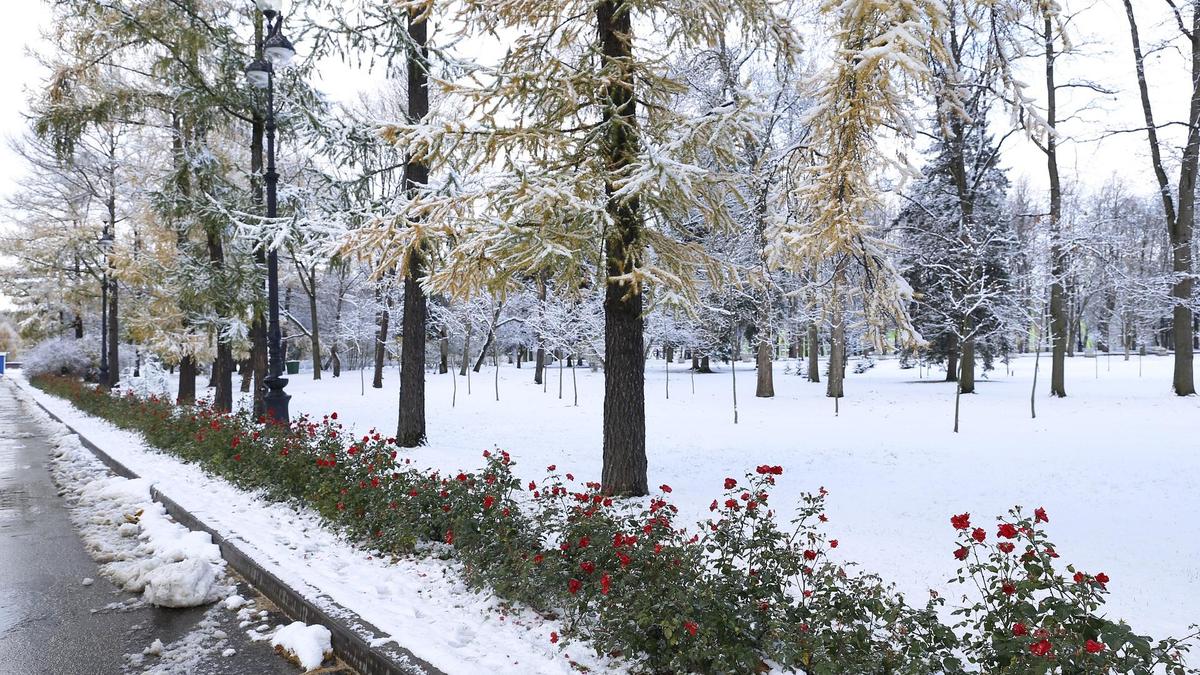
[(1116, 464)]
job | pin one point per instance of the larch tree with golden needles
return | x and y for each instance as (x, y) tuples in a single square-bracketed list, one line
[(582, 172), (880, 60)]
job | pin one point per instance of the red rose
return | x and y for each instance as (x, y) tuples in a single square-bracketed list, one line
[(978, 534), (450, 536), (1041, 648), (1102, 578), (1093, 647), (833, 543), (730, 483), (605, 584), (961, 553), (810, 554), (690, 627), (961, 521), (1008, 588), (488, 501), (1018, 629), (532, 486), (1005, 546), (333, 416), (573, 586), (537, 559), (1080, 577), (587, 566), (625, 560), (1039, 515), (553, 638), (713, 506), (551, 468), (584, 542), (664, 487), (1008, 531)]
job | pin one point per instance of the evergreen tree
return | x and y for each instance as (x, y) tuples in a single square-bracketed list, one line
[(957, 249)]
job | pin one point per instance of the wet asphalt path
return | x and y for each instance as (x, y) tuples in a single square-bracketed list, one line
[(51, 623)]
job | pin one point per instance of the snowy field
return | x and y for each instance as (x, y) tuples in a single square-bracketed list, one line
[(1116, 464)]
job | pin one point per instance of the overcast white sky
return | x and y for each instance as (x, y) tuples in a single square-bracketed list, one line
[(1101, 33)]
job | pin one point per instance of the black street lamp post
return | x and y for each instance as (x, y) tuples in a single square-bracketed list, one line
[(106, 241), (261, 74)]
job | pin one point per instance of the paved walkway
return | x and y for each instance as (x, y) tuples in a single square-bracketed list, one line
[(51, 623)]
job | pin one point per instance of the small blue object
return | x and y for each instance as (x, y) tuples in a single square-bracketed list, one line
[(3, 358)]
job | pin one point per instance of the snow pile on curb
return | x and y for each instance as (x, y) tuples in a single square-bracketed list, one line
[(307, 645), (138, 546)]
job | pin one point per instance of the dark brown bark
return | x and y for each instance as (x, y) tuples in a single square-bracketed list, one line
[(411, 428), (814, 349), (381, 335), (1181, 221), (114, 348), (966, 378), (625, 465), (952, 359), (539, 368), (223, 365), (258, 327), (187, 381), (834, 388), (1058, 262), (765, 387), (444, 352)]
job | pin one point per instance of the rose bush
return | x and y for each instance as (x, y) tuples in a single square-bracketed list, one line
[(737, 593)]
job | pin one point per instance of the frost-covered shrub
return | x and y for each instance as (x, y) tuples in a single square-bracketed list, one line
[(152, 380), (59, 356)]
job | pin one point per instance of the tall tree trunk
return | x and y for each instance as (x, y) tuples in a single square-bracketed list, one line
[(114, 348), (466, 352), (814, 350), (966, 378), (187, 381), (258, 327), (315, 321), (411, 428), (539, 368), (381, 334), (625, 465), (834, 388), (1181, 223), (246, 370), (952, 359), (766, 380), (444, 352), (222, 374), (1058, 262)]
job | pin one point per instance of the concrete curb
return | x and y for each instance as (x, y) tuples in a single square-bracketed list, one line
[(352, 636)]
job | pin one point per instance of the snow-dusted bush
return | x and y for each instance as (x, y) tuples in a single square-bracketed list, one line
[(152, 380), (59, 356)]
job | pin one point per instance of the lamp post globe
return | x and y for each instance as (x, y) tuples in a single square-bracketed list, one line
[(279, 50)]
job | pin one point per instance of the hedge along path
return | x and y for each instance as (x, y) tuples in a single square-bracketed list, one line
[(352, 636)]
